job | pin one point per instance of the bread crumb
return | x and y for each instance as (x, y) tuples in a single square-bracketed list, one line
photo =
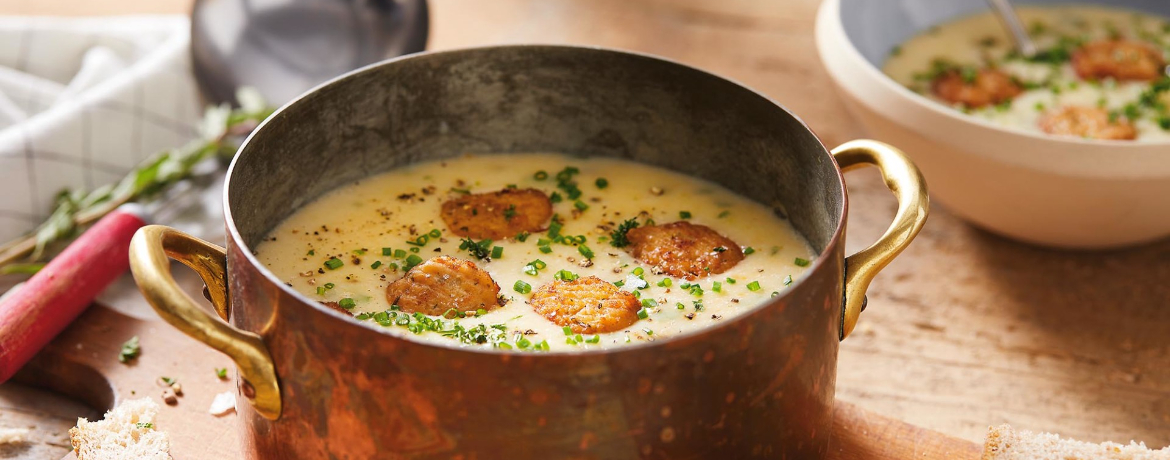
[(223, 403), (13, 435)]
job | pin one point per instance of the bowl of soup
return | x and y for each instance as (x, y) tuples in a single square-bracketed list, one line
[(1064, 148), (533, 252)]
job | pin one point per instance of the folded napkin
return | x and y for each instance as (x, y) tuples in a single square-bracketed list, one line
[(83, 101)]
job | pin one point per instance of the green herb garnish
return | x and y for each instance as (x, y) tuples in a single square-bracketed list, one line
[(617, 238), (130, 350), (334, 263)]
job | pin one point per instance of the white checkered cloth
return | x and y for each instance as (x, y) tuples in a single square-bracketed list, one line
[(83, 101)]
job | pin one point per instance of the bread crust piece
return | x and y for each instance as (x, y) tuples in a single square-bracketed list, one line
[(127, 431), (1118, 59), (497, 215), (1005, 443), (587, 305), (436, 286), (1086, 122), (989, 86), (682, 249)]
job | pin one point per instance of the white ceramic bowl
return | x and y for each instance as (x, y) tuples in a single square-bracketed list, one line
[(1062, 192)]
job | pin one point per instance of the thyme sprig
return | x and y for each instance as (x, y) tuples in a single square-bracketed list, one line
[(221, 131)]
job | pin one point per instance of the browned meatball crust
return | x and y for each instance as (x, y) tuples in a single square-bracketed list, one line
[(989, 86), (497, 215), (683, 249), (436, 286), (1118, 59), (1086, 122), (586, 305)]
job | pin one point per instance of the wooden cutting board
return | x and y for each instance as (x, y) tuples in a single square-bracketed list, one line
[(83, 363)]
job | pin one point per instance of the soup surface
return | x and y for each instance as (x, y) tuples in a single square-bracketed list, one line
[(586, 253), (1100, 72)]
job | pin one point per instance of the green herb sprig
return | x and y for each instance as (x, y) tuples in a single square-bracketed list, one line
[(221, 131)]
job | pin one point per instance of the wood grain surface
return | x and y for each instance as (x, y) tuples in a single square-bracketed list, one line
[(965, 329)]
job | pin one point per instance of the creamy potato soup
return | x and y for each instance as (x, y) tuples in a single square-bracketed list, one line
[(536, 252), (1100, 72)]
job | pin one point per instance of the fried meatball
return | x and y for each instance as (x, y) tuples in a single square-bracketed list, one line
[(436, 286), (586, 305), (1119, 59), (1087, 122), (987, 87), (497, 215), (336, 307), (683, 249)]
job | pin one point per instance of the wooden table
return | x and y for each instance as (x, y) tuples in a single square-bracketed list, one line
[(964, 330)]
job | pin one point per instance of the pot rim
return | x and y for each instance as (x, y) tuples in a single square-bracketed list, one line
[(237, 239)]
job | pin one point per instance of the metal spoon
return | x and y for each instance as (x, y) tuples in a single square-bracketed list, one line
[(1011, 22), (285, 47)]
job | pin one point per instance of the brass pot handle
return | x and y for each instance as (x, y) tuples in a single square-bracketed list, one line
[(149, 252), (908, 185)]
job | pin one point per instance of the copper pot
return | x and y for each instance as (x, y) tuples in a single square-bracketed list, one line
[(318, 384)]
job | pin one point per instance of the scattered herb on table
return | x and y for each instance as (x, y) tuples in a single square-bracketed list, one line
[(130, 350)]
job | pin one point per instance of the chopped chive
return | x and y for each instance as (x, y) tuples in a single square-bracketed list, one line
[(540, 175), (522, 287), (666, 282), (554, 229), (393, 267), (639, 271), (330, 285), (387, 252), (748, 250), (717, 286), (649, 303), (412, 261), (523, 342), (399, 253), (510, 212), (414, 250), (522, 237), (376, 264), (730, 280), (585, 251), (787, 280), (320, 290), (545, 249), (594, 339), (567, 330), (684, 214), (555, 197), (580, 205), (680, 305), (753, 286), (724, 214), (435, 233), (334, 263), (619, 283), (565, 275), (360, 252), (775, 293), (346, 303), (497, 252), (643, 314), (312, 252), (221, 372), (801, 262), (601, 182)]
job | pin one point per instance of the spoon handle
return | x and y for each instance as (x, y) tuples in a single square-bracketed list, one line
[(1011, 21)]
